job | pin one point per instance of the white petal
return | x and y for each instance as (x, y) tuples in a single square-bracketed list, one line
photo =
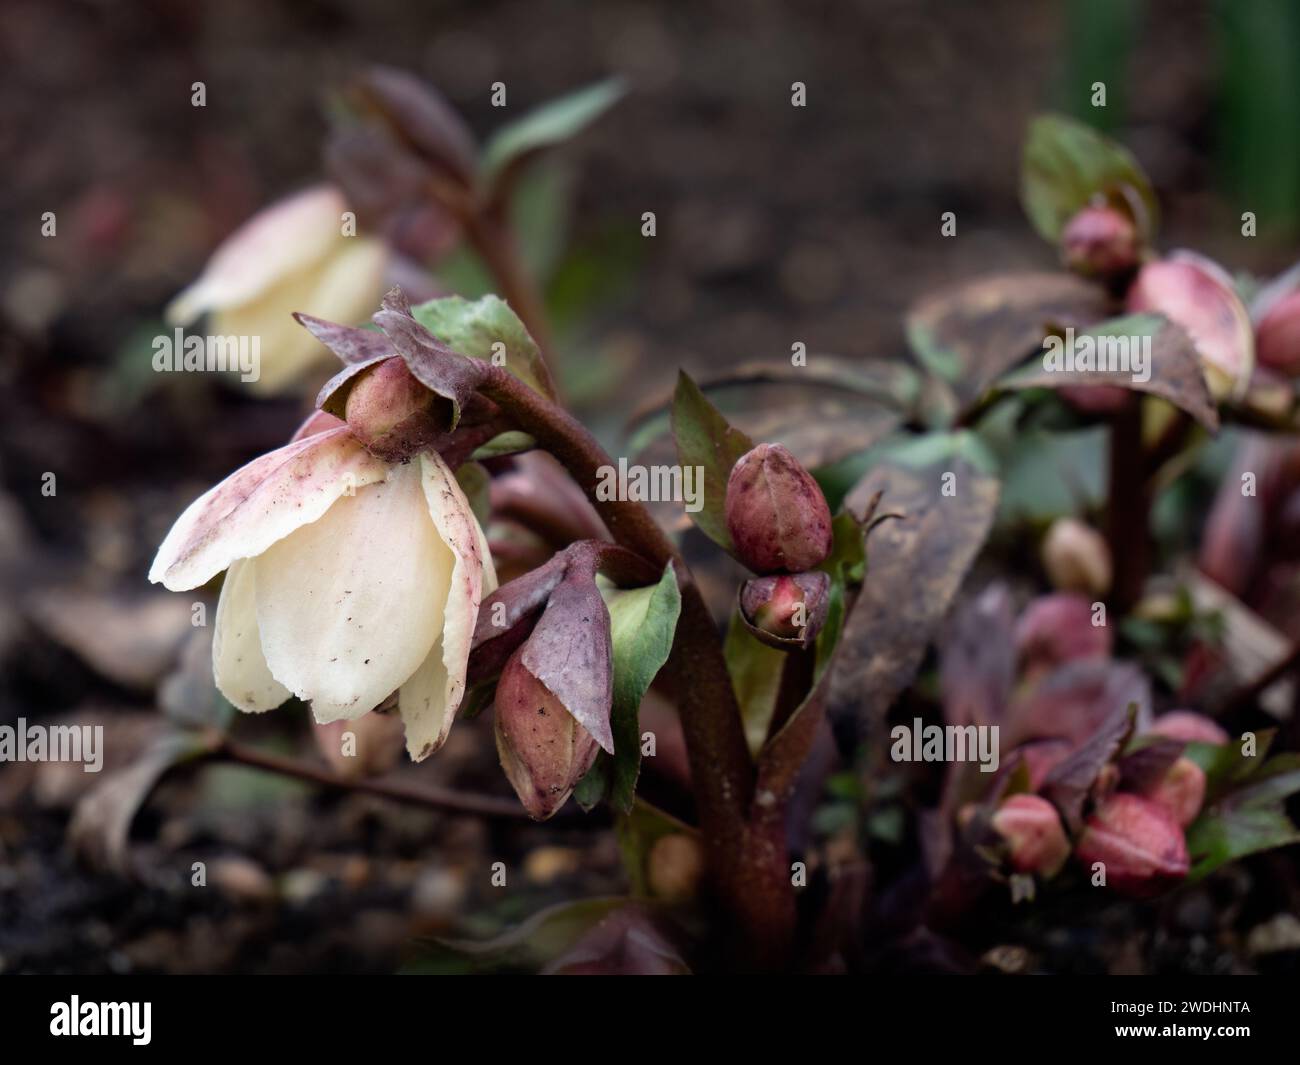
[(278, 241), (427, 713), (238, 665), (261, 503), (349, 606)]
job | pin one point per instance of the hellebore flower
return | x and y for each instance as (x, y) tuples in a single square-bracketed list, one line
[(1031, 827), (776, 512), (1100, 241), (1189, 727), (291, 256), (1076, 558), (1138, 842), (348, 578), (1198, 295), (787, 610), (1276, 314), (1054, 629), (1181, 790)]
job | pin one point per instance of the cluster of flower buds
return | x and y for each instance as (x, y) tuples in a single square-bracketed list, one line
[(780, 524)]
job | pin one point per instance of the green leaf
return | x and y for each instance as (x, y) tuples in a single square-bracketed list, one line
[(507, 443), (1067, 164), (705, 439), (476, 327), (1251, 816), (551, 124), (475, 482), (642, 623), (755, 670)]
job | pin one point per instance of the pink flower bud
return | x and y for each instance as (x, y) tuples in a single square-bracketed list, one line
[(776, 513), (390, 412), (1189, 727), (1042, 756), (1277, 336), (367, 747), (1058, 628), (1181, 790), (1076, 558), (543, 749), (1196, 294), (1139, 844), (1100, 242), (1032, 829), (786, 609), (675, 867)]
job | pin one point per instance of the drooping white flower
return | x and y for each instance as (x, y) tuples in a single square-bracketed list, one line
[(291, 256), (347, 579)]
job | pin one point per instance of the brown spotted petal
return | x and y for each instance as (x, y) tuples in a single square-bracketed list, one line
[(262, 503)]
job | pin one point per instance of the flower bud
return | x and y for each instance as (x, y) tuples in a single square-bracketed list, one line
[(1100, 241), (786, 610), (1181, 790), (1277, 336), (1189, 727), (1196, 294), (390, 412), (1058, 628), (675, 867), (776, 513), (1138, 842), (1041, 757), (1032, 829), (366, 747), (543, 749), (1076, 558)]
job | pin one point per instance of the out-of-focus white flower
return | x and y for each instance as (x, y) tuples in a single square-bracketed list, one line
[(291, 256), (347, 578)]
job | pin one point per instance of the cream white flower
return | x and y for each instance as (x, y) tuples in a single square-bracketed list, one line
[(347, 579), (291, 256)]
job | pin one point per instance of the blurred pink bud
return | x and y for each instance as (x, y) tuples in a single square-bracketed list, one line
[(543, 749), (1100, 241), (1032, 829), (1077, 558), (1139, 843), (786, 608), (1196, 294), (391, 413), (1096, 399), (1189, 727), (1058, 628), (675, 867), (1042, 756), (776, 512), (1181, 790), (367, 747), (1277, 336)]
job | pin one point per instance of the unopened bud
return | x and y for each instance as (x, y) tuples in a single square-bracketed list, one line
[(1055, 629), (786, 610), (390, 412), (1100, 241), (543, 749), (1196, 294), (368, 746), (1031, 827), (1139, 844), (1076, 558), (1180, 791), (776, 513), (675, 867), (1277, 336), (1189, 727)]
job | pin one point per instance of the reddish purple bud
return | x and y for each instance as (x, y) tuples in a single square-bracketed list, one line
[(390, 412), (1076, 558), (1180, 791), (1100, 242), (1096, 399), (543, 749), (1139, 844), (786, 610), (1277, 336), (1032, 829), (1189, 727), (1058, 628), (1196, 294), (776, 513)]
